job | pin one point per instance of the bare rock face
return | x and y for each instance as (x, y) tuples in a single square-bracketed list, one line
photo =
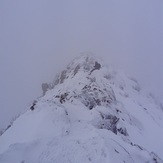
[(97, 66), (92, 96), (108, 122)]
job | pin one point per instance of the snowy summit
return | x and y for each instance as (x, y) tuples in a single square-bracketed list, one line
[(89, 114)]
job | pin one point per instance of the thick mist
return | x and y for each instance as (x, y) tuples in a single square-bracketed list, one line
[(38, 38)]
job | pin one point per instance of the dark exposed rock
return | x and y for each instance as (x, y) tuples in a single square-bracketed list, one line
[(4, 130), (123, 131), (118, 111), (97, 66), (108, 122), (91, 96), (63, 97), (77, 68), (116, 151), (63, 76), (33, 105)]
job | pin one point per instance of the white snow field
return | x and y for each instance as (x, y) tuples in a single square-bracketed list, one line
[(89, 114)]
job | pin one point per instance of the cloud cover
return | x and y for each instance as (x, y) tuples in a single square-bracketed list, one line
[(38, 38)]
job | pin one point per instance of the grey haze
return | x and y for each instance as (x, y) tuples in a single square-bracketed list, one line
[(38, 38)]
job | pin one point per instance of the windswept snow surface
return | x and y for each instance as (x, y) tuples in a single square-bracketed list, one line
[(90, 113)]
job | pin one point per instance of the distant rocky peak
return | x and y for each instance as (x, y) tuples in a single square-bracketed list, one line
[(83, 80), (86, 63)]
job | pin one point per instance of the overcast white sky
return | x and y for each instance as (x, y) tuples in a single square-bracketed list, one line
[(39, 37)]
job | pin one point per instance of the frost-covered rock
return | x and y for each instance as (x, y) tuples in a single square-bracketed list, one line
[(89, 113)]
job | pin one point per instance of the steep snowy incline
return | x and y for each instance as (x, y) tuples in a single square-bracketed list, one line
[(89, 113)]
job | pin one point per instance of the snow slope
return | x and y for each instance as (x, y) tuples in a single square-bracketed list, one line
[(90, 113)]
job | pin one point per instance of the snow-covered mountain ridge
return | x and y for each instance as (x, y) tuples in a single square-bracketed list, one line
[(89, 113)]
